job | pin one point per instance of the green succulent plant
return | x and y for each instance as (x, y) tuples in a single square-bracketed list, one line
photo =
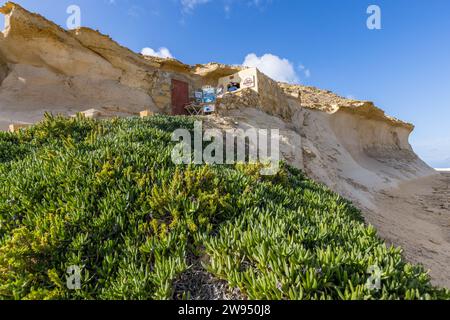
[(105, 196)]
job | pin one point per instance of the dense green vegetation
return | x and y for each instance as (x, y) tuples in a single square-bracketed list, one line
[(105, 195)]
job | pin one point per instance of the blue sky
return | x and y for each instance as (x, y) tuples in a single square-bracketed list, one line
[(404, 67)]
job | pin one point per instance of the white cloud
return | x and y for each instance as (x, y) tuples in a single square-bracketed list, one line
[(259, 3), (189, 5), (306, 72), (161, 53), (227, 9), (277, 68)]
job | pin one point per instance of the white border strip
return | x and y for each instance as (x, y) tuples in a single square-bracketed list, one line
[(442, 169)]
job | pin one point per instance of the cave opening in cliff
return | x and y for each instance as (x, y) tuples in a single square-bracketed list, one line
[(241, 80)]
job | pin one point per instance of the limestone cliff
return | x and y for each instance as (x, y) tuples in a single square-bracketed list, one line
[(46, 68)]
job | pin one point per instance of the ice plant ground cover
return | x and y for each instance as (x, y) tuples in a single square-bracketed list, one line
[(105, 196)]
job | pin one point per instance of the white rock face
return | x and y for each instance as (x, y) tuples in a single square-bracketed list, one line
[(45, 68)]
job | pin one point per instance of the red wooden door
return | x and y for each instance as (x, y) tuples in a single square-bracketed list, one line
[(180, 97)]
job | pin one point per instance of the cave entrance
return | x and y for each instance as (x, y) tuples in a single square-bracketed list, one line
[(247, 78)]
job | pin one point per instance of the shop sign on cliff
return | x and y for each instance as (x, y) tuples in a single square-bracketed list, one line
[(248, 82)]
